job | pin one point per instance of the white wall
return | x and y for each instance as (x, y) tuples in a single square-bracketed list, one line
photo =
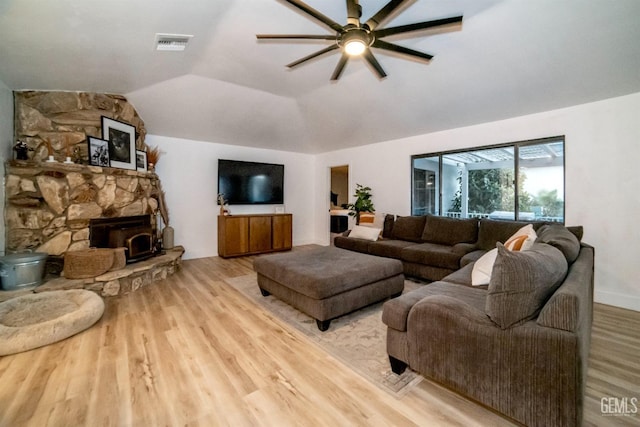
[(6, 144), (602, 148), (188, 171)]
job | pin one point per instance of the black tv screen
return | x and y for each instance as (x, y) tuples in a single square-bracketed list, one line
[(250, 183)]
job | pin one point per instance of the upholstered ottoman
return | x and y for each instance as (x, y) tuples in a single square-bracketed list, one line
[(328, 282)]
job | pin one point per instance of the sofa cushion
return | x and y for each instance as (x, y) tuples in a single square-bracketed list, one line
[(409, 228), (560, 237), (491, 231), (388, 248), (432, 254), (522, 282), (449, 231), (351, 243), (396, 312), (461, 276), (471, 257)]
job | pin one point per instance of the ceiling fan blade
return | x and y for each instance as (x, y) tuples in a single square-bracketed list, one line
[(313, 55), (401, 49), (296, 36), (415, 27), (383, 13), (354, 11), (340, 67), (319, 16), (374, 63)]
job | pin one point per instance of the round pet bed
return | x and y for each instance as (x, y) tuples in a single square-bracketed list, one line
[(36, 320)]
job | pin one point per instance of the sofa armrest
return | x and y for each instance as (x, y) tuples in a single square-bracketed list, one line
[(396, 310), (571, 305), (448, 310)]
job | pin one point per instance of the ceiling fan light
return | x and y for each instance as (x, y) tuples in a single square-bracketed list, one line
[(355, 47)]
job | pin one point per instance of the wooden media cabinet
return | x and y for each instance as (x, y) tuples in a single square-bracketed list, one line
[(254, 234)]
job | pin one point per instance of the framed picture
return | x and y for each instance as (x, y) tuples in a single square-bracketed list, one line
[(141, 160), (122, 143), (98, 152)]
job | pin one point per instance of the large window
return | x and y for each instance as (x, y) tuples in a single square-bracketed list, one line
[(517, 181)]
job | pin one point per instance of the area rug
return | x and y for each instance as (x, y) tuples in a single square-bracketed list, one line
[(357, 339)]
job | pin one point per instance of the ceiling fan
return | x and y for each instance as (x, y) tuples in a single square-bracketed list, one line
[(356, 39)]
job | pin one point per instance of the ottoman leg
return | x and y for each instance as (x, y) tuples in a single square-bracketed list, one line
[(323, 325), (264, 293)]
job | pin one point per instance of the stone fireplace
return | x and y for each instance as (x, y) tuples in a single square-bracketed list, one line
[(51, 206)]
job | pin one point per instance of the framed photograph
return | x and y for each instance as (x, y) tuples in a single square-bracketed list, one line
[(122, 143), (141, 160), (98, 152)]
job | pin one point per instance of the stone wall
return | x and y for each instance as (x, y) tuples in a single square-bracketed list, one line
[(49, 205), (66, 119)]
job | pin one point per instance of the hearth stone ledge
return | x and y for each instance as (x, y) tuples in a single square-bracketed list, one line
[(114, 283)]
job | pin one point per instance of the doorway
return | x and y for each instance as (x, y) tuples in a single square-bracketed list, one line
[(338, 200)]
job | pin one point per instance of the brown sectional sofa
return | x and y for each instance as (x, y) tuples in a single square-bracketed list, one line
[(519, 345), (429, 247)]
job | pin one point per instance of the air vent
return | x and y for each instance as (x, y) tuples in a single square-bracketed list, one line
[(172, 42)]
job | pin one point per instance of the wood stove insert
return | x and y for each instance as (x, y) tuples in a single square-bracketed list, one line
[(135, 233)]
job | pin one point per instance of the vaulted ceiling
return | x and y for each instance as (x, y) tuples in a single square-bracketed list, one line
[(509, 58)]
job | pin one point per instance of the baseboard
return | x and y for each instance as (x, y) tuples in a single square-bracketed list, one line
[(618, 300)]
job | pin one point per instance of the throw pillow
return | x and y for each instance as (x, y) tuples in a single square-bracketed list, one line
[(366, 233), (373, 220), (521, 283), (560, 237), (521, 240), (481, 272), (515, 243)]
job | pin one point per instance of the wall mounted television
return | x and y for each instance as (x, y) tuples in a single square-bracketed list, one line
[(251, 183)]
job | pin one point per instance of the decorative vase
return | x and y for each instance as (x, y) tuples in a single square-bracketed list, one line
[(167, 237)]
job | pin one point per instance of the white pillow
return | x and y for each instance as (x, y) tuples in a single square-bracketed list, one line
[(482, 268), (521, 240), (366, 233)]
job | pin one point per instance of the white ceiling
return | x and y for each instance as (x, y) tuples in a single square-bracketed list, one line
[(509, 58)]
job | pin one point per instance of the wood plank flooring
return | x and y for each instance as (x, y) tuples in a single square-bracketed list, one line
[(190, 350)]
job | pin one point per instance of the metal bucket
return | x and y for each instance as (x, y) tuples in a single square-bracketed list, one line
[(20, 271)]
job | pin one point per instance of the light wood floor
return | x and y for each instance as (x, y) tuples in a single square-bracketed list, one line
[(191, 350)]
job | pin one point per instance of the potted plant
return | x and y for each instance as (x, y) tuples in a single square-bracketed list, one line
[(363, 202)]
